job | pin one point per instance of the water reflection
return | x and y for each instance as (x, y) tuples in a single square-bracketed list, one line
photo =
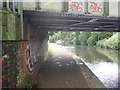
[(103, 63), (111, 54)]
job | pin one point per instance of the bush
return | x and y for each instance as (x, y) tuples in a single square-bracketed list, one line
[(101, 43), (96, 36), (92, 39), (113, 42)]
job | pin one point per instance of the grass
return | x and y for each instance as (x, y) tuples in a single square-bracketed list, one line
[(49, 49)]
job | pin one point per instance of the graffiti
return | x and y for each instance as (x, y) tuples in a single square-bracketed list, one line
[(29, 64), (75, 6), (95, 7), (1, 76), (1, 81), (31, 61), (24, 53), (1, 60)]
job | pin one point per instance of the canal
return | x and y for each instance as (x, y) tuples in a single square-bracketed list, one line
[(102, 62)]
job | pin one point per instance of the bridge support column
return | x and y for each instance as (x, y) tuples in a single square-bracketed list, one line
[(37, 48)]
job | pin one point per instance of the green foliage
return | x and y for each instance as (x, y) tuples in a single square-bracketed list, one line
[(22, 81), (49, 49), (54, 36), (84, 37), (96, 36), (29, 86), (76, 38), (21, 77), (92, 39), (113, 42), (101, 42), (102, 39), (65, 37)]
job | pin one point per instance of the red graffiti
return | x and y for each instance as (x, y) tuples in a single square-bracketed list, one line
[(94, 7), (75, 6), (1, 60), (1, 81), (3, 76)]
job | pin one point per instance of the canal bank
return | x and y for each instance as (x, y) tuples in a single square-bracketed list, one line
[(66, 70)]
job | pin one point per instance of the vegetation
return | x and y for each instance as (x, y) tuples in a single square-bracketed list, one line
[(112, 55), (113, 42), (9, 31), (49, 50), (96, 36), (100, 39), (23, 77), (22, 80), (63, 36)]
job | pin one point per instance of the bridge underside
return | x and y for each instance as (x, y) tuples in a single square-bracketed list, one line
[(54, 21)]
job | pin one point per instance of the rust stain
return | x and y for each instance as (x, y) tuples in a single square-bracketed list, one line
[(23, 53)]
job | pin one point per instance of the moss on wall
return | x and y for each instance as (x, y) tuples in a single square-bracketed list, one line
[(4, 24), (0, 26), (9, 26)]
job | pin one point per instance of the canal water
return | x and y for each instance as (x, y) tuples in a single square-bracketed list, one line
[(102, 62)]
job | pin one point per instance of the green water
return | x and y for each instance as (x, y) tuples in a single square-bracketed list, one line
[(93, 54), (102, 62)]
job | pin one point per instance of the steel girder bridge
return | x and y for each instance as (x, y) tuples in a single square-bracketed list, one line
[(57, 21)]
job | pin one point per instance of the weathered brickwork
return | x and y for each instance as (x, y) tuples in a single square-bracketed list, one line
[(9, 64), (14, 63), (23, 49), (22, 60)]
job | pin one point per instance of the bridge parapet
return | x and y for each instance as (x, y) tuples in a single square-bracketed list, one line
[(89, 7), (85, 7)]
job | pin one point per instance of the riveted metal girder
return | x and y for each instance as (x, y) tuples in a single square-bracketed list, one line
[(54, 21)]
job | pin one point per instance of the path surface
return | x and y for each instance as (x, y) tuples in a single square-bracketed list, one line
[(62, 70)]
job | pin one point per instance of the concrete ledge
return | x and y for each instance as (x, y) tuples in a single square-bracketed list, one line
[(90, 77)]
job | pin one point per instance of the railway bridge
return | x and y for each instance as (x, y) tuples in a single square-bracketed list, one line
[(24, 28)]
